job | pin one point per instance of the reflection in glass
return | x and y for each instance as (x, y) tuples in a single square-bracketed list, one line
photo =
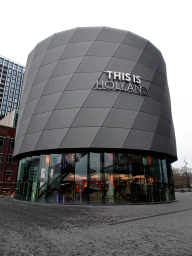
[(67, 178), (54, 178), (95, 178), (81, 183)]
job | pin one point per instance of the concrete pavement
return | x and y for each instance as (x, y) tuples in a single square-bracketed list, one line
[(28, 228)]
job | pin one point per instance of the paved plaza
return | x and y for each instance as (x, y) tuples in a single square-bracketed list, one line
[(28, 228)]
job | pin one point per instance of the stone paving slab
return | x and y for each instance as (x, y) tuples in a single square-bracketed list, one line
[(28, 228)]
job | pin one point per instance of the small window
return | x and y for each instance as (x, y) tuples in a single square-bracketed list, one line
[(2, 112), (2, 142), (19, 74), (7, 83), (15, 106), (10, 64), (12, 143), (8, 176), (18, 78), (9, 109), (9, 104), (10, 71), (8, 79), (14, 72), (1, 157), (15, 66), (16, 92), (10, 159), (6, 63)]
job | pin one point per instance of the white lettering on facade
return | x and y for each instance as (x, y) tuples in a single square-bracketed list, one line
[(119, 81)]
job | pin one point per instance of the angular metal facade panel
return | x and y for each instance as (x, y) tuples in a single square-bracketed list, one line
[(62, 107)]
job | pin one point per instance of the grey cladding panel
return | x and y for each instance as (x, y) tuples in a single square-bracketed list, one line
[(164, 127), (53, 55), (93, 64), (23, 127), (160, 143), (172, 147), (103, 49), (18, 146), (146, 122), (24, 99), (42, 46), (72, 99), (110, 138), (83, 81), (44, 72), (129, 101), (135, 41), (29, 142), (47, 103), (148, 60), (57, 84), (67, 66), (36, 90), (120, 118), (161, 69), (128, 52), (74, 50), (101, 99), (144, 72), (121, 65), (79, 137), (61, 38), (112, 35), (90, 117), (29, 108), (86, 34), (159, 81), (30, 81), (140, 140), (51, 139), (166, 114), (151, 106), (61, 118), (36, 63), (156, 92), (38, 122), (151, 49)]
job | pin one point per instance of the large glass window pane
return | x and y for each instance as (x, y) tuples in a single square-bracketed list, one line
[(95, 185), (20, 179), (43, 178), (81, 182), (54, 178), (108, 178), (67, 183), (138, 182), (33, 178)]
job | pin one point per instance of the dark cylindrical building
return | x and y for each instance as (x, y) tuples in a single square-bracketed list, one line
[(95, 122)]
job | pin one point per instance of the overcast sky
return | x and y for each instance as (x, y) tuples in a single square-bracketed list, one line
[(166, 23)]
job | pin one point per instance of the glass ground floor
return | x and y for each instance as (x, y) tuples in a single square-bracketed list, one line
[(79, 178)]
